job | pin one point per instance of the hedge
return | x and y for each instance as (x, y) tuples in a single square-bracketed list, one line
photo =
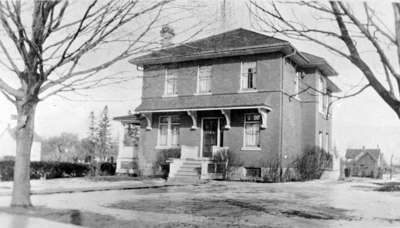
[(48, 169)]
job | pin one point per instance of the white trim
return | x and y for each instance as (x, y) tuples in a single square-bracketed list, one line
[(250, 90), (199, 94), (193, 116), (169, 95), (148, 117), (227, 115), (250, 148), (202, 133), (206, 109)]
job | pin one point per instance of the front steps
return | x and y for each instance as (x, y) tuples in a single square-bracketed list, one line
[(185, 170)]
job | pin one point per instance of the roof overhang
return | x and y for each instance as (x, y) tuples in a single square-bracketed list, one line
[(285, 48), (133, 119), (332, 86), (206, 109)]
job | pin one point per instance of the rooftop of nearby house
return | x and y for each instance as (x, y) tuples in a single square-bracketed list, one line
[(356, 153)]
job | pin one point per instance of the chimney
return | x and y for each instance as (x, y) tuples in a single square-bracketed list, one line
[(166, 33)]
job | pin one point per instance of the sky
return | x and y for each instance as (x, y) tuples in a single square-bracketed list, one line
[(364, 120)]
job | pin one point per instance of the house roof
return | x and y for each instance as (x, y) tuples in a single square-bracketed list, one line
[(320, 63), (356, 153), (232, 43), (130, 118), (216, 101)]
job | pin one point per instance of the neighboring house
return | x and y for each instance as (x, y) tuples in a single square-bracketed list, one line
[(8, 145), (364, 163), (244, 91)]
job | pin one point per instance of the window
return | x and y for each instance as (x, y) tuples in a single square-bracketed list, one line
[(248, 75), (327, 142), (297, 83), (253, 172), (320, 138), (321, 91), (252, 130), (168, 135), (170, 83), (204, 79)]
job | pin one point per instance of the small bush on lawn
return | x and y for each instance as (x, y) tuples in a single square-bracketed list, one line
[(312, 163), (107, 168), (45, 169), (161, 164)]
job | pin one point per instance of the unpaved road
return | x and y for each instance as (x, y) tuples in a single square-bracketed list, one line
[(241, 204)]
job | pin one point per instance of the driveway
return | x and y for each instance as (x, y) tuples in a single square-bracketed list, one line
[(241, 204)]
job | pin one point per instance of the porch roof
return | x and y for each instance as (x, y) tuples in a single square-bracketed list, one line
[(204, 102)]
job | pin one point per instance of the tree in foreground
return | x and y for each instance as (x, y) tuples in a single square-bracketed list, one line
[(350, 30), (44, 52)]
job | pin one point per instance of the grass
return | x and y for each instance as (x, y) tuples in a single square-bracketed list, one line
[(88, 219)]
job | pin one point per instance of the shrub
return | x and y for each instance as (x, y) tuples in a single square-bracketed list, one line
[(45, 169), (161, 164), (312, 163), (273, 171), (107, 168)]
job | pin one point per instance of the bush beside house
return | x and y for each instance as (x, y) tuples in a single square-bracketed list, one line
[(161, 164)]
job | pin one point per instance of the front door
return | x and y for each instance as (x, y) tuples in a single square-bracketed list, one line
[(210, 135)]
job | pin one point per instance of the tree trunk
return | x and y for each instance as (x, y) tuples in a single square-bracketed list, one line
[(24, 137)]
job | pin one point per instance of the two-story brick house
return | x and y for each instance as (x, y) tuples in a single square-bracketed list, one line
[(254, 94)]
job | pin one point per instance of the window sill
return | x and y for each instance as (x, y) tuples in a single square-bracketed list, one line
[(248, 91), (251, 148), (169, 95), (158, 147), (205, 93)]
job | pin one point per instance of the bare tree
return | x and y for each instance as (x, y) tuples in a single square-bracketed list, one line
[(44, 52), (345, 29)]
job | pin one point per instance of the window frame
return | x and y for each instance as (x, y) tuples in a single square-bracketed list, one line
[(296, 81), (242, 77), (321, 94), (168, 77), (245, 145), (198, 92), (169, 136)]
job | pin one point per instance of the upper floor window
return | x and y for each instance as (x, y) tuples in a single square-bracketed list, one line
[(248, 75), (168, 135), (252, 124), (204, 79), (296, 82), (170, 83), (321, 94)]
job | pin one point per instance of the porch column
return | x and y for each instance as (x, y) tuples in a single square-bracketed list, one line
[(193, 115), (227, 114), (148, 117), (263, 113)]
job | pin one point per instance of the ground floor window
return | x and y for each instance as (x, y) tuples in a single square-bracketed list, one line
[(253, 172), (252, 124), (168, 134)]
